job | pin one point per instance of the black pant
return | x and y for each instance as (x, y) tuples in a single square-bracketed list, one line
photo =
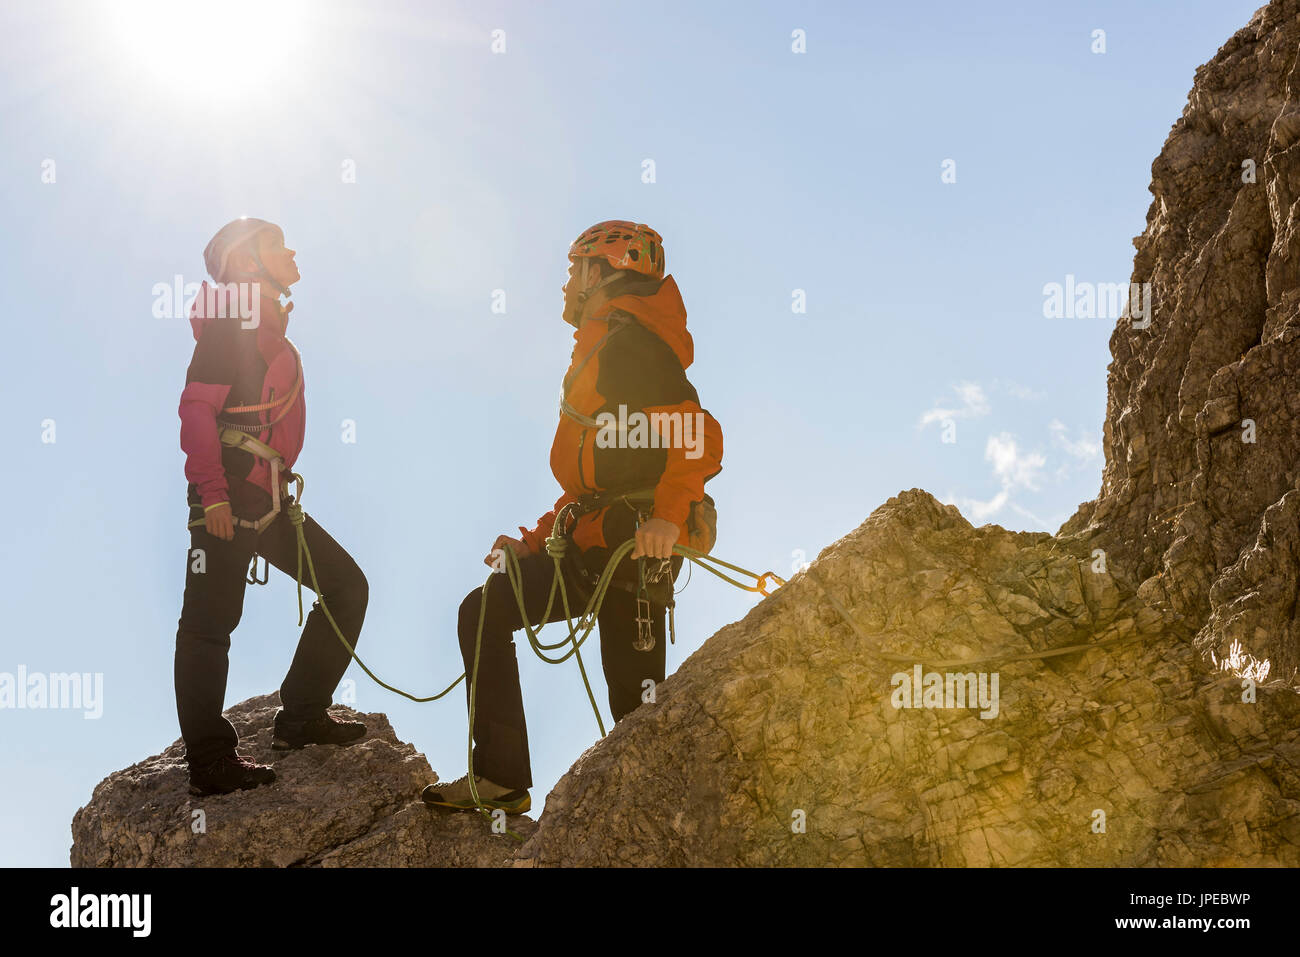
[(214, 600), (500, 732)]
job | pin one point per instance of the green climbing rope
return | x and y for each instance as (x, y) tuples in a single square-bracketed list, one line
[(556, 544)]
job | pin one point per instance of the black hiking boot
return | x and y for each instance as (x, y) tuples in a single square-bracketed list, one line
[(228, 773), (327, 729)]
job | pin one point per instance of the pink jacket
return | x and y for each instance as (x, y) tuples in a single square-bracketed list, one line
[(234, 366)]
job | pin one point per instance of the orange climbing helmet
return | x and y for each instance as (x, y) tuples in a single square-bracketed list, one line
[(623, 245)]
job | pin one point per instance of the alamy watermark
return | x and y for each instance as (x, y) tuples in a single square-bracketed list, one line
[(935, 689), (219, 300), (656, 430), (128, 911), (35, 690), (1101, 300)]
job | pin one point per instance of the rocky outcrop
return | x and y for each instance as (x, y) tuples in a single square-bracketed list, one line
[(1138, 669), (329, 807), (1201, 437), (1128, 753)]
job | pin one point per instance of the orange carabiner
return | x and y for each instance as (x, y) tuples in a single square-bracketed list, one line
[(761, 589)]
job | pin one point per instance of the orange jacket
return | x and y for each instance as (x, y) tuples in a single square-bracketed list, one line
[(638, 368)]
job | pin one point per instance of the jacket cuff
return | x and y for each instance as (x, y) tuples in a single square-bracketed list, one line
[(526, 536), (671, 510), (214, 496)]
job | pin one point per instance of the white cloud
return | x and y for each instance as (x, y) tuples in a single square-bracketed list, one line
[(1085, 448), (982, 510), (1014, 468), (974, 404)]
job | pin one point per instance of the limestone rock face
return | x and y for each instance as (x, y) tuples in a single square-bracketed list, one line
[(1145, 710), (787, 717), (332, 807), (1201, 437)]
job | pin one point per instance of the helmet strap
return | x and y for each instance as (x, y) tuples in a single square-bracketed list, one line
[(587, 300), (264, 273)]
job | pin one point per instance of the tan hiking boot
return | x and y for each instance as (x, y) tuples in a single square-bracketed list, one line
[(457, 796)]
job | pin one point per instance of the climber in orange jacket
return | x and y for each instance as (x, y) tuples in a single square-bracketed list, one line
[(632, 451)]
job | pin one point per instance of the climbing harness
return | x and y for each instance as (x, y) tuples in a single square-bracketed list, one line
[(279, 493), (238, 435)]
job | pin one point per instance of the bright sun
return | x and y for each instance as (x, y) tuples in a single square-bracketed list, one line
[(216, 51)]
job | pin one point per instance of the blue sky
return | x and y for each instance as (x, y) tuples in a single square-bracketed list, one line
[(774, 172)]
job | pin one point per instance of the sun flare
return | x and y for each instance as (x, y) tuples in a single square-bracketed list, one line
[(217, 52)]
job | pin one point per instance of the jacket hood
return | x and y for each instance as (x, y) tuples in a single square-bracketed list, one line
[(660, 309), (271, 314)]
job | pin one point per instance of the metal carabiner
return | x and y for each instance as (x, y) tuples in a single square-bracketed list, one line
[(252, 578), (660, 571), (645, 636)]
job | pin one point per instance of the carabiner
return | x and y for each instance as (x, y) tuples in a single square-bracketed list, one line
[(252, 578), (645, 636)]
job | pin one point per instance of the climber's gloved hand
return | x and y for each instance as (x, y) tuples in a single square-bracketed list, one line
[(495, 560), (655, 539)]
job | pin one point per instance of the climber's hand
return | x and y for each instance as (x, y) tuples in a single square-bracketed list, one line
[(220, 522), (495, 560), (655, 539)]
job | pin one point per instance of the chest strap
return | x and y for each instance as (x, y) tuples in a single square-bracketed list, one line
[(285, 400), (617, 322)]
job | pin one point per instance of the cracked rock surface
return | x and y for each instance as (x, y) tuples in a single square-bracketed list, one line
[(788, 715), (1198, 499)]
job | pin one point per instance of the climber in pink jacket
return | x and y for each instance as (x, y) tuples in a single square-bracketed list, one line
[(243, 418)]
